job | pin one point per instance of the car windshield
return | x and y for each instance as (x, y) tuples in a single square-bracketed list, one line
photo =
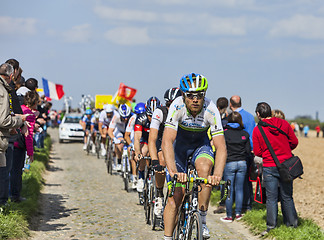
[(72, 120)]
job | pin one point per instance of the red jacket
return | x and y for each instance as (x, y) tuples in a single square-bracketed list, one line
[(281, 145)]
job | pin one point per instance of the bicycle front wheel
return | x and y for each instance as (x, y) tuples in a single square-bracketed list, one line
[(195, 231)]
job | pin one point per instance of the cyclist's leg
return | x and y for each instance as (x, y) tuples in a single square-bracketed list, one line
[(203, 159), (173, 204), (141, 167), (85, 139), (103, 140)]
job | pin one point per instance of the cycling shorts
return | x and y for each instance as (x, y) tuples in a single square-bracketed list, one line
[(182, 153)]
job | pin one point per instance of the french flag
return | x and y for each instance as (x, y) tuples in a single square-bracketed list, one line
[(52, 90)]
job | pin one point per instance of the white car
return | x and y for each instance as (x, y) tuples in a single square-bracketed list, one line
[(70, 128)]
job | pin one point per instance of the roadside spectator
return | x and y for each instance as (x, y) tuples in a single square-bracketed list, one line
[(282, 146), (222, 105), (238, 154), (31, 101), (306, 130), (301, 129), (279, 114), (323, 130), (296, 130), (249, 124), (318, 130), (8, 123)]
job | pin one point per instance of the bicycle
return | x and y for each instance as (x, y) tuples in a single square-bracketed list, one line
[(149, 191), (126, 168), (109, 155), (89, 143), (189, 225), (97, 144)]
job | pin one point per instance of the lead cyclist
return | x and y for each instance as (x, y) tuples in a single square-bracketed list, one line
[(185, 134)]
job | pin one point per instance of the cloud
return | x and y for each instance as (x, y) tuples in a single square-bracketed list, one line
[(302, 26), (78, 34), (125, 14), (128, 36), (14, 26), (227, 26)]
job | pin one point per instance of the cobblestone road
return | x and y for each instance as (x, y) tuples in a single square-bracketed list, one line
[(81, 201)]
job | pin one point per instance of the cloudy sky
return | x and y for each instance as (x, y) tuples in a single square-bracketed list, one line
[(262, 50)]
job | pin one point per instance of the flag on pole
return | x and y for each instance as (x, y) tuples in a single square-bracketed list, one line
[(52, 90), (126, 92)]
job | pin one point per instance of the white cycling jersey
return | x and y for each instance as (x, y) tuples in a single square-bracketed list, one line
[(104, 119), (117, 123), (191, 127), (157, 119)]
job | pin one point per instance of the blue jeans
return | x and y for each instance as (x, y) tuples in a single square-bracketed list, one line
[(16, 172), (271, 182), (4, 176), (236, 172)]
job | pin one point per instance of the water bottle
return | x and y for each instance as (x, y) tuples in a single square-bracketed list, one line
[(27, 163)]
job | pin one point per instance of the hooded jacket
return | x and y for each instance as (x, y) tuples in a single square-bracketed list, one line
[(281, 144), (237, 143)]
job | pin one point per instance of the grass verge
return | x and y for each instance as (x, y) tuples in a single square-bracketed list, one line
[(14, 217), (256, 221)]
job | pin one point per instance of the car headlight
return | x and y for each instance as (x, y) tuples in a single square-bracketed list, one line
[(63, 129)]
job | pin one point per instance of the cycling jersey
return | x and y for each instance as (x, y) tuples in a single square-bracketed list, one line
[(118, 125), (142, 124), (192, 136), (130, 126), (94, 123), (104, 119), (158, 120), (87, 121)]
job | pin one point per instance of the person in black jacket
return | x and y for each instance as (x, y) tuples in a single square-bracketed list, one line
[(238, 153)]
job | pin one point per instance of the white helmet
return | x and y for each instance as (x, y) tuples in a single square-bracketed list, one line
[(108, 107)]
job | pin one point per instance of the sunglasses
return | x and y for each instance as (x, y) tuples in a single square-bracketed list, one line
[(191, 96)]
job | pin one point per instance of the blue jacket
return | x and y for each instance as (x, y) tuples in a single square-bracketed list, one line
[(248, 122)]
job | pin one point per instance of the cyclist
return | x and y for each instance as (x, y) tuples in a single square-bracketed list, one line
[(129, 138), (94, 129), (86, 124), (141, 132), (104, 120), (154, 144), (117, 129), (185, 134)]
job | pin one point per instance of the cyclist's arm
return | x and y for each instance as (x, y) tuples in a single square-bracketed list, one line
[(153, 136), (83, 124), (127, 138), (169, 136), (100, 128), (111, 132), (137, 142), (221, 155)]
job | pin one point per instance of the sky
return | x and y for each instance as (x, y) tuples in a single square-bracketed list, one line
[(262, 50)]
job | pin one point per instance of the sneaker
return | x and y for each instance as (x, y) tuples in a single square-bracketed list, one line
[(119, 167), (158, 206), (85, 146), (134, 184), (114, 167), (238, 217), (103, 152), (226, 219), (206, 233), (93, 150), (265, 232), (220, 209), (140, 185)]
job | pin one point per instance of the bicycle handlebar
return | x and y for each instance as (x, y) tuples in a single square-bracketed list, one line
[(227, 185)]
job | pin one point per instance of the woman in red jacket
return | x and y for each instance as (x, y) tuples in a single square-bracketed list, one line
[(282, 146)]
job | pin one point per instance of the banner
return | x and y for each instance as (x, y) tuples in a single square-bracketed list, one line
[(52, 90), (102, 100), (126, 92)]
